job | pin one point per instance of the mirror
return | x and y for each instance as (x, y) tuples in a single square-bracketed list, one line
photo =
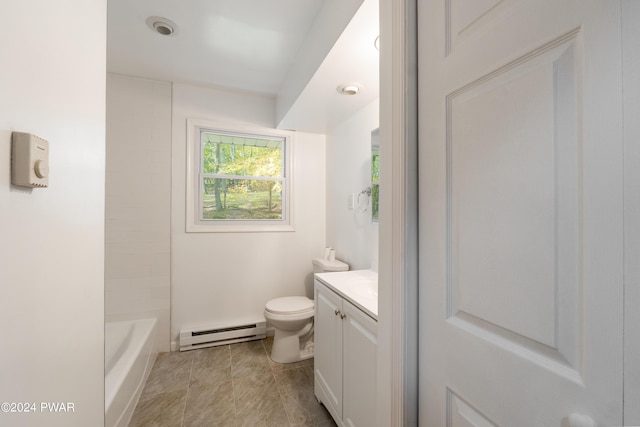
[(375, 173)]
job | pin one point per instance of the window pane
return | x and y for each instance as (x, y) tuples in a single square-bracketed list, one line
[(239, 155), (375, 200), (375, 164), (241, 199)]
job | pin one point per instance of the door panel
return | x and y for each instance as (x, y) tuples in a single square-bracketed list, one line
[(328, 348), (520, 212), (465, 18), (512, 177), (461, 414), (360, 346)]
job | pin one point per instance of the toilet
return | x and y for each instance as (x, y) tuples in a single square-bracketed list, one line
[(292, 319)]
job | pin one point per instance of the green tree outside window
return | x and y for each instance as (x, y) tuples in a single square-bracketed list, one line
[(242, 176)]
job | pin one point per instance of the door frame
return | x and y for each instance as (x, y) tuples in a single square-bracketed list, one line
[(397, 402), (631, 113)]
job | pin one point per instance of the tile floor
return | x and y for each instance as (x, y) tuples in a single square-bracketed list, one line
[(231, 386)]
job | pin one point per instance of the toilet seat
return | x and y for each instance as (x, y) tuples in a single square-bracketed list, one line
[(290, 305)]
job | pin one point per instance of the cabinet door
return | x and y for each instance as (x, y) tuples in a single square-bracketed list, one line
[(359, 343), (328, 349)]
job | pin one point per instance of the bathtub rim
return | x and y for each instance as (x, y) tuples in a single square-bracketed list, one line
[(118, 406)]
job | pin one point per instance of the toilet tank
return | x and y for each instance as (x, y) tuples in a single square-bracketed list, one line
[(321, 265)]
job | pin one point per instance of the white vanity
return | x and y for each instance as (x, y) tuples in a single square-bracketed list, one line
[(346, 345)]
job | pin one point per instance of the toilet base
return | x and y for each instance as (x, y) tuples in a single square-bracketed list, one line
[(286, 347)]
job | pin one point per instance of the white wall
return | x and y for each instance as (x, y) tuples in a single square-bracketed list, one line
[(226, 277), (138, 202), (351, 232), (332, 19), (52, 82)]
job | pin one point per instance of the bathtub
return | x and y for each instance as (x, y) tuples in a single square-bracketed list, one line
[(130, 351)]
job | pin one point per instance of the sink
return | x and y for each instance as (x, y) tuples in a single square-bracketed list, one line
[(364, 287), (360, 287)]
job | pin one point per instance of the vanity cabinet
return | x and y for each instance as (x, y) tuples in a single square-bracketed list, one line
[(345, 365)]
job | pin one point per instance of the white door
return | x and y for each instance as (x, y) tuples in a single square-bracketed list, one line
[(521, 225)]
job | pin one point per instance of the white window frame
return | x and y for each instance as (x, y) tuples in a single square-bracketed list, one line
[(194, 191)]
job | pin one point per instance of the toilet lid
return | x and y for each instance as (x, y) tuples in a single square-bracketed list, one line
[(289, 305)]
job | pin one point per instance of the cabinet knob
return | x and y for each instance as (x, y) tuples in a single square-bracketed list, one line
[(339, 313)]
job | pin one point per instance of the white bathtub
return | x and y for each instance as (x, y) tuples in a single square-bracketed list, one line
[(130, 351)]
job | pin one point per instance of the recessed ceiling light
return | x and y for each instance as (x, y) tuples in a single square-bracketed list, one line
[(349, 89), (161, 25)]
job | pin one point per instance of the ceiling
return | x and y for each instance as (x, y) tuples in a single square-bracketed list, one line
[(272, 47)]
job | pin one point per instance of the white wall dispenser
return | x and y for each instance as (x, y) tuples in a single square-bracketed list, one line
[(29, 160)]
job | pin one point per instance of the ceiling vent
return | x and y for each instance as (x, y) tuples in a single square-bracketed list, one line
[(161, 25)]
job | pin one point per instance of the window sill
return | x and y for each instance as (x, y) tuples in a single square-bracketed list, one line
[(239, 228)]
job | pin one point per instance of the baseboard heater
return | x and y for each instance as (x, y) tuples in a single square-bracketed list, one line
[(209, 337)]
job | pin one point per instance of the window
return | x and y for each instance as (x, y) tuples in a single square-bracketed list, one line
[(242, 176), (240, 179)]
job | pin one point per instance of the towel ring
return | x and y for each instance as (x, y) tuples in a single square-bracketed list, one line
[(367, 192)]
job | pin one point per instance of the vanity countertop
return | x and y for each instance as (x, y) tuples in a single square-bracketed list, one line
[(359, 287)]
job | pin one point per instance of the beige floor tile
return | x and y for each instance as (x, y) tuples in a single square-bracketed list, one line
[(329, 423), (170, 372), (160, 410), (255, 391), (211, 366), (210, 406), (270, 415), (248, 358), (258, 401), (212, 357), (296, 390), (201, 377)]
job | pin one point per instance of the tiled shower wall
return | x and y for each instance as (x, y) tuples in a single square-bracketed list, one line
[(138, 202)]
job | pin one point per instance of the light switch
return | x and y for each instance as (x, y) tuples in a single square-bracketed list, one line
[(29, 160)]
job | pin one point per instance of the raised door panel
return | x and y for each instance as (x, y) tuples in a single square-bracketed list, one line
[(463, 414), (514, 212), (467, 18), (360, 367), (328, 349)]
